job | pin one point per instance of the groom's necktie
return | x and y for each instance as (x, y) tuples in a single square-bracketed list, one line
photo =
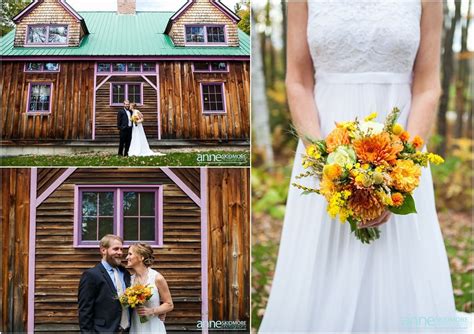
[(124, 321)]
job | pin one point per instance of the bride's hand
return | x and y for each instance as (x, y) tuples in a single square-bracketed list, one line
[(377, 221), (145, 311), (162, 316)]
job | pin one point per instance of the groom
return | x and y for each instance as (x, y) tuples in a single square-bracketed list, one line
[(124, 123), (99, 308)]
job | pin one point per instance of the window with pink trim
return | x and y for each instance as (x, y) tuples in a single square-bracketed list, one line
[(120, 91), (210, 66), (130, 67), (39, 97), (212, 98), (133, 213), (41, 67), (47, 34), (205, 34)]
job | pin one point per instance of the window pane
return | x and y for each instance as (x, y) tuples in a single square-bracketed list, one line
[(133, 67), (147, 204), (37, 34), (130, 203), (195, 34), (119, 67), (89, 228), (39, 97), (219, 66), (147, 229), (118, 93), (134, 93), (103, 67), (201, 66), (212, 97), (130, 228), (215, 34), (34, 66), (106, 226), (106, 203), (89, 204), (149, 67), (57, 34), (51, 66)]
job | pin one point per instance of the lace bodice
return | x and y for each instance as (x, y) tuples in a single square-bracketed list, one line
[(364, 35)]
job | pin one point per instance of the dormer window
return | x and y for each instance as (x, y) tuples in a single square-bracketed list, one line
[(47, 35), (205, 34)]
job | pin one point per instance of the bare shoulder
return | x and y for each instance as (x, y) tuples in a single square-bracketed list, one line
[(159, 279)]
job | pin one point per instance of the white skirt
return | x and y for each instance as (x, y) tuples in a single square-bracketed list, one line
[(139, 145), (328, 281)]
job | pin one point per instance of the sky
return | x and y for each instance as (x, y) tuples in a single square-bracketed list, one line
[(111, 5)]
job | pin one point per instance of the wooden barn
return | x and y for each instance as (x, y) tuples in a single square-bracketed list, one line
[(196, 219), (64, 74)]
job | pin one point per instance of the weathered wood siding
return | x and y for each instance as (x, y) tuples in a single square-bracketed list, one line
[(202, 12), (49, 12), (180, 105), (229, 244), (71, 102), (58, 264), (106, 115), (14, 231)]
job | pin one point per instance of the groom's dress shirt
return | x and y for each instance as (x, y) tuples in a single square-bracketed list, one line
[(129, 112), (110, 271)]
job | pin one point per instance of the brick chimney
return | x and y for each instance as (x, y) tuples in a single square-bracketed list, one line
[(126, 7)]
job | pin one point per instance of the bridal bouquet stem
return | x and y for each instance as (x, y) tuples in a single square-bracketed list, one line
[(135, 296), (365, 168)]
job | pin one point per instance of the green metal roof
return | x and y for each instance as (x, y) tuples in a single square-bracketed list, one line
[(125, 35)]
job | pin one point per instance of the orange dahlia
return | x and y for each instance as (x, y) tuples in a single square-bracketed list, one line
[(365, 204), (404, 136), (338, 136), (378, 149), (397, 199), (405, 176)]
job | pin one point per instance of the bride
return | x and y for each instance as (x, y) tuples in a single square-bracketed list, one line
[(140, 258), (139, 144), (367, 56)]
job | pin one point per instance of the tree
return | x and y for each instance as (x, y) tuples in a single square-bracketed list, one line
[(260, 117), (244, 13), (10, 8)]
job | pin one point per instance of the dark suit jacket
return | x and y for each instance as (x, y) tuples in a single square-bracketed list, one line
[(122, 119), (99, 308)]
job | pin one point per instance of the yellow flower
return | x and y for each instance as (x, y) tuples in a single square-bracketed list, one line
[(370, 117), (404, 136), (417, 142), (405, 175), (397, 129), (435, 159), (332, 171), (313, 152), (378, 178)]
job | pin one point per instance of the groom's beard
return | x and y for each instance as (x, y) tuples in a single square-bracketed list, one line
[(113, 261)]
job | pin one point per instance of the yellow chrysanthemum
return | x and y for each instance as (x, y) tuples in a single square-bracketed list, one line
[(337, 137), (327, 187), (405, 176), (332, 171)]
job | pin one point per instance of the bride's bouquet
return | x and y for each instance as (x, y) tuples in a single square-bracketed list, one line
[(136, 295), (365, 168), (137, 118)]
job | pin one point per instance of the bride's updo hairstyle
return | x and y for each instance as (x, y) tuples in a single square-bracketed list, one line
[(132, 106), (146, 251)]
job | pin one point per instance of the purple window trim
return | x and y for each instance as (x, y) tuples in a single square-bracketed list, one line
[(118, 211), (118, 104), (39, 112), (47, 35), (42, 67), (206, 43), (213, 112), (210, 70), (126, 68)]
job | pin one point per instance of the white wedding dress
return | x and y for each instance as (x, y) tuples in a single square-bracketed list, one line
[(154, 324), (139, 145), (325, 279)]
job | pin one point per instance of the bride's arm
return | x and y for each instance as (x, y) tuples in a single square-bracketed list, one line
[(426, 88), (300, 74), (165, 297)]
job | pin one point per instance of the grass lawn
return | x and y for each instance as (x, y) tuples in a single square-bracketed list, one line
[(172, 158)]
